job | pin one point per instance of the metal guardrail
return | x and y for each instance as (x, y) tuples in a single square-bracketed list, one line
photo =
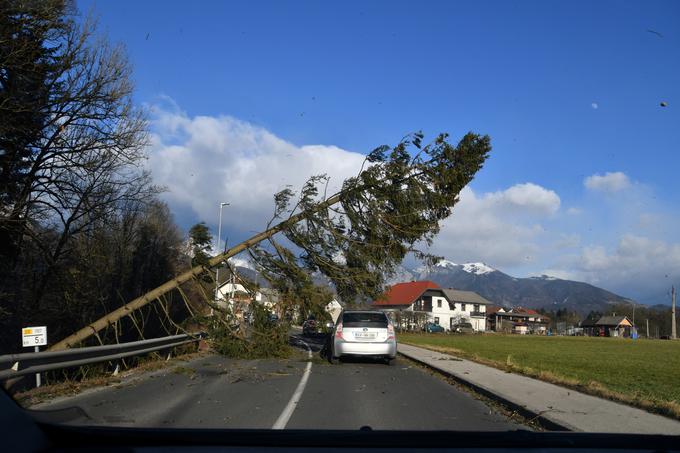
[(15, 365)]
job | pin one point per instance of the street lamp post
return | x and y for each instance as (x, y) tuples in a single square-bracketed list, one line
[(219, 238)]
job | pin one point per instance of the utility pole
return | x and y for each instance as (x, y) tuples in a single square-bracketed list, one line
[(647, 328), (673, 331), (634, 316)]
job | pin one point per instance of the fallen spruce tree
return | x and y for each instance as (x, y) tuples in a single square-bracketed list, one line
[(355, 238)]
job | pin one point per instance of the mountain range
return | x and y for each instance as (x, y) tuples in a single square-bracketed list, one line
[(498, 287), (502, 289)]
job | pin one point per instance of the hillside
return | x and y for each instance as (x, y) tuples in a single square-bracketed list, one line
[(503, 289), (498, 287)]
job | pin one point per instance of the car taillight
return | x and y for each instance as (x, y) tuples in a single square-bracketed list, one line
[(338, 331), (390, 332)]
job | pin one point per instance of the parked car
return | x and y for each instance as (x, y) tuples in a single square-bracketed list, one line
[(431, 327), (363, 333), (463, 327)]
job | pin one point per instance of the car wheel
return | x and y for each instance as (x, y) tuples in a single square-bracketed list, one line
[(388, 361)]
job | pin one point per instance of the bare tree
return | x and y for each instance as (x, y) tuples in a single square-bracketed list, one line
[(72, 142)]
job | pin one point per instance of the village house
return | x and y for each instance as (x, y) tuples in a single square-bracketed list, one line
[(609, 326), (412, 304), (517, 320), (471, 307), (235, 296)]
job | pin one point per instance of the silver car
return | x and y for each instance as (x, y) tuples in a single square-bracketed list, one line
[(364, 333)]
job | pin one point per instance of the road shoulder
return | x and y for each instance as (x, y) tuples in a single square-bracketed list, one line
[(561, 407)]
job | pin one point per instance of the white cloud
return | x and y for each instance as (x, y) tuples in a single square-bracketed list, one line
[(528, 196), (609, 182), (638, 266), (558, 273), (500, 228), (206, 160), (594, 106)]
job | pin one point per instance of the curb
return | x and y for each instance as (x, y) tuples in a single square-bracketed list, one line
[(542, 420)]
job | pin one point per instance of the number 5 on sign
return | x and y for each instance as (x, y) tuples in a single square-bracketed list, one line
[(34, 336)]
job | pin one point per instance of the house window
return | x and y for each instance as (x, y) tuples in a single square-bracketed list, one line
[(439, 304), (462, 307), (436, 320), (476, 308)]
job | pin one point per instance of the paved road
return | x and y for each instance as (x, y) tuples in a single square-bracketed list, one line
[(216, 392)]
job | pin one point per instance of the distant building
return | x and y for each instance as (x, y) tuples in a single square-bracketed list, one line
[(236, 296), (412, 304), (492, 320), (518, 320), (472, 307), (590, 327), (608, 326)]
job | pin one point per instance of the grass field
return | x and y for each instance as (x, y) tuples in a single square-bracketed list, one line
[(645, 373)]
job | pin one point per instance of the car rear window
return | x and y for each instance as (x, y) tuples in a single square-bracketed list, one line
[(364, 320)]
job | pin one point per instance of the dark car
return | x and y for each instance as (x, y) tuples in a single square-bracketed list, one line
[(310, 326), (431, 327), (463, 327)]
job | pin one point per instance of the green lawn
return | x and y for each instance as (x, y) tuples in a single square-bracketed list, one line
[(641, 372)]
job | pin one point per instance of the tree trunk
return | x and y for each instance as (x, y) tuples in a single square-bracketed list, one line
[(170, 285)]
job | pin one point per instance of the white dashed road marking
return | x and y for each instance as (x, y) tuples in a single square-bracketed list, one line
[(282, 421)]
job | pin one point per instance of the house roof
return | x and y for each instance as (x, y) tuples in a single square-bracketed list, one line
[(589, 322), (527, 313), (493, 309), (468, 297), (233, 287), (405, 293), (524, 311), (613, 321)]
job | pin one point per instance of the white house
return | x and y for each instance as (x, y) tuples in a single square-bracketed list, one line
[(469, 306), (443, 306), (235, 296)]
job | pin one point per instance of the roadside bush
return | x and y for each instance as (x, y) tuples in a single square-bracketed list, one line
[(265, 338)]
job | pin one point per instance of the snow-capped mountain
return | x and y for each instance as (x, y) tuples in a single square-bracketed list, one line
[(542, 291), (502, 289), (477, 268)]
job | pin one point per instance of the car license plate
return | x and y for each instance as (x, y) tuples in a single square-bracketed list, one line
[(364, 334)]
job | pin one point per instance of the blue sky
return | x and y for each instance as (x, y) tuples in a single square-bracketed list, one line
[(566, 90)]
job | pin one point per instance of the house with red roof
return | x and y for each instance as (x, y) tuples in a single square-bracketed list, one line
[(412, 304)]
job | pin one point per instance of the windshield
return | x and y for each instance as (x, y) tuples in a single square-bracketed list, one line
[(386, 215)]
